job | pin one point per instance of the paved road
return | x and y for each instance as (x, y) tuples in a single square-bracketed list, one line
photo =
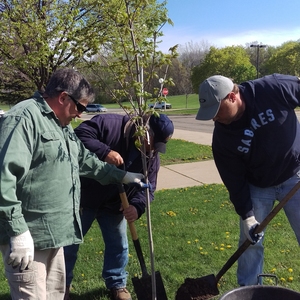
[(186, 122)]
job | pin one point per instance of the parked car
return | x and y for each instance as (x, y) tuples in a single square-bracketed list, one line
[(95, 108), (160, 105), (1, 112)]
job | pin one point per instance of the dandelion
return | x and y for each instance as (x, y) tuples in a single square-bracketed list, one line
[(229, 246), (82, 275), (196, 240), (290, 279), (290, 270), (200, 248), (282, 279), (216, 248), (222, 249), (273, 270), (188, 242), (171, 213)]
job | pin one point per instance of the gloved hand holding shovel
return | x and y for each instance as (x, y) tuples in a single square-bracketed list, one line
[(249, 226)]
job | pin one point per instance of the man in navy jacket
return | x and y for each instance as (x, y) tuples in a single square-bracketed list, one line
[(256, 148), (111, 138)]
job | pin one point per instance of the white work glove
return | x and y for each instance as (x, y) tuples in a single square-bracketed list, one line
[(134, 179), (21, 251), (249, 225)]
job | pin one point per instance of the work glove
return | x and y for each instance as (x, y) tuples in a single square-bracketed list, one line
[(21, 251), (249, 226), (134, 179)]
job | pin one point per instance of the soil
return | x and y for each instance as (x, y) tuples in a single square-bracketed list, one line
[(198, 289)]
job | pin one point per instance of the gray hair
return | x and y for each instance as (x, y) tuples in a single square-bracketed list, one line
[(71, 82)]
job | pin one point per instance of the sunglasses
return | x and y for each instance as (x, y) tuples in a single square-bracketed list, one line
[(80, 108)]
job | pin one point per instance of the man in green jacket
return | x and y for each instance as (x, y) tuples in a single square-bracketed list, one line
[(41, 160)]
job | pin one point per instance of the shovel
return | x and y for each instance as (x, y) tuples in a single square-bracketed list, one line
[(142, 286), (207, 287)]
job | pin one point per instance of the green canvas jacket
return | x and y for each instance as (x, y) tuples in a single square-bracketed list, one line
[(40, 165)]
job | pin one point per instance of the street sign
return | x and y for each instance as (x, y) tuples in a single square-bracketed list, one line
[(165, 91)]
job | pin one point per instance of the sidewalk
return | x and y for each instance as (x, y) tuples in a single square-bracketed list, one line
[(189, 174)]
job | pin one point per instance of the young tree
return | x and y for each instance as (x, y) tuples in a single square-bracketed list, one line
[(126, 66)]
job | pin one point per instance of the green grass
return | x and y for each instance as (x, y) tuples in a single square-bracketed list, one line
[(178, 102), (195, 231), (180, 106), (180, 151)]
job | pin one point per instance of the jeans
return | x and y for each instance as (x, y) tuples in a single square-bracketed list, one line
[(114, 233), (250, 263)]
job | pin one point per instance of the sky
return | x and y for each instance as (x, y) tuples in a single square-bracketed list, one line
[(222, 23)]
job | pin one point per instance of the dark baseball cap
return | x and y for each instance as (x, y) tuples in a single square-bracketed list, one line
[(163, 129)]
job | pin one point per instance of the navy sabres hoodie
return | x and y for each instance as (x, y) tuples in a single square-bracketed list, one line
[(262, 147)]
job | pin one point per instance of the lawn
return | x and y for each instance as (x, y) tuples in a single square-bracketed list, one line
[(195, 231)]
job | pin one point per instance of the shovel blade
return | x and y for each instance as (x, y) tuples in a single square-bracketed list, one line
[(198, 289), (143, 287)]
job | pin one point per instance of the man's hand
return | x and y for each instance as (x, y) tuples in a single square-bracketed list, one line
[(249, 225), (114, 158), (130, 213), (21, 251)]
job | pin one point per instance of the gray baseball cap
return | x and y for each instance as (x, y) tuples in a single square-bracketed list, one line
[(211, 92)]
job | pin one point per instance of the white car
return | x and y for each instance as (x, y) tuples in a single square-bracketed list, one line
[(95, 108), (1, 112), (160, 105)]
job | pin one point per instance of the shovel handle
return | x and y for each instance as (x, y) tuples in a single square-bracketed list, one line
[(125, 204), (133, 232), (258, 229)]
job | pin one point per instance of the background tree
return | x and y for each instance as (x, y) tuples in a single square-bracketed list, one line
[(231, 61), (190, 55), (39, 37), (285, 60)]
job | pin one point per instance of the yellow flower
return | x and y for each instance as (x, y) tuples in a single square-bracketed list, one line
[(282, 279), (290, 279), (290, 270)]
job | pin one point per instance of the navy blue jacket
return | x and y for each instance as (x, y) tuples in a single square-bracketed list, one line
[(100, 135), (263, 147)]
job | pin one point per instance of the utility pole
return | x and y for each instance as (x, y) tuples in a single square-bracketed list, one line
[(257, 46)]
